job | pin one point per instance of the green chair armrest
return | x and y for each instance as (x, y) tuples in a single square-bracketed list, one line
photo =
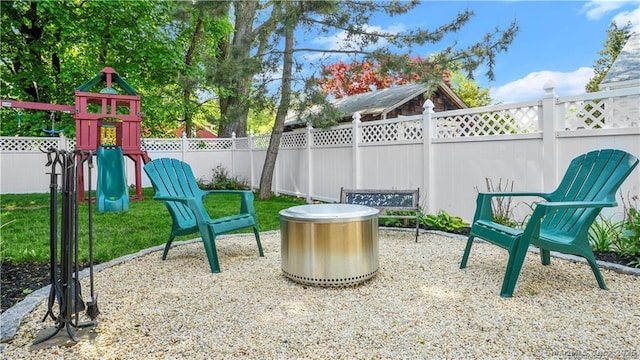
[(484, 206), (577, 204), (246, 202), (496, 194), (229, 191), (181, 199)]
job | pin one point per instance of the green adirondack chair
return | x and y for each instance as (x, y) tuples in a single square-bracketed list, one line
[(561, 223), (174, 183)]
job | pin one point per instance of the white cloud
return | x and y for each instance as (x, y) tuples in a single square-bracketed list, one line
[(598, 8), (531, 86), (340, 41), (632, 16)]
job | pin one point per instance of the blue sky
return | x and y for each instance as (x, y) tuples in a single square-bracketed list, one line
[(558, 40)]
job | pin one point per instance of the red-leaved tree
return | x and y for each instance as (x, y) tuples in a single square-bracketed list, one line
[(342, 79)]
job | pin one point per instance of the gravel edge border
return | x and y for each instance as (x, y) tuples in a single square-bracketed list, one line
[(10, 319)]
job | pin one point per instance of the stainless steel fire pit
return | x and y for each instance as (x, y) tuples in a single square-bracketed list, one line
[(329, 244)]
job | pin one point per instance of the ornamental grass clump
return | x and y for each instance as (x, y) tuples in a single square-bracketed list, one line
[(621, 237), (628, 243)]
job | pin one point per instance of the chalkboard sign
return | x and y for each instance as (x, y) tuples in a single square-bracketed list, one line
[(387, 200), (380, 199), (384, 199)]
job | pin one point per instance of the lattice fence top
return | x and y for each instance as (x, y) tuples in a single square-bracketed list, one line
[(261, 142), (391, 131), (410, 130), (616, 109), (209, 144), (335, 136), (521, 120), (242, 143), (31, 144), (161, 144), (293, 140), (611, 113)]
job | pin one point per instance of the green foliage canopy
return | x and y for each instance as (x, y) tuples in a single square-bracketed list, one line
[(50, 47)]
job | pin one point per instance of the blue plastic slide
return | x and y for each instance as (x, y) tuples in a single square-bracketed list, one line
[(112, 190)]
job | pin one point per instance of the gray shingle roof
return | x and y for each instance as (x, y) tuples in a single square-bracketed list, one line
[(376, 102), (379, 102), (626, 67)]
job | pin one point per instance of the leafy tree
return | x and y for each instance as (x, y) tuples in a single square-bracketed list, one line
[(616, 38), (239, 60), (50, 47), (342, 79), (203, 26), (261, 120), (31, 64), (352, 17), (469, 91)]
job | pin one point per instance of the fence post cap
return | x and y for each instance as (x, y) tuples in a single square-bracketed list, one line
[(428, 105), (550, 88)]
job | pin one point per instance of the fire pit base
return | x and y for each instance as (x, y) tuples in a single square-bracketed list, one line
[(332, 245), (330, 282)]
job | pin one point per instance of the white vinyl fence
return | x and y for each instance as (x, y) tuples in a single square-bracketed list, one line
[(448, 155)]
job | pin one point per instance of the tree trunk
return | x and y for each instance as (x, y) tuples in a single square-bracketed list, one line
[(235, 108), (266, 178), (188, 61)]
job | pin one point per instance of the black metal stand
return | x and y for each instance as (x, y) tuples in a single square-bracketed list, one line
[(65, 285)]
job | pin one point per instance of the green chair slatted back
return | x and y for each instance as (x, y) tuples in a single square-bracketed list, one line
[(175, 185), (590, 177), (562, 222), (171, 177)]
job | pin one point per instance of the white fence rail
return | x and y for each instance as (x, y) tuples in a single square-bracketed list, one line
[(448, 155)]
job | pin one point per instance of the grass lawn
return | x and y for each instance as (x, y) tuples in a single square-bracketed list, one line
[(24, 236)]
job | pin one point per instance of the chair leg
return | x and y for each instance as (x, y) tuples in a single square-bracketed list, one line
[(167, 246), (209, 241), (596, 271), (257, 233), (512, 272), (467, 250), (545, 256)]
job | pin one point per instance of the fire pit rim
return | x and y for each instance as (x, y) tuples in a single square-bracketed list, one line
[(328, 213)]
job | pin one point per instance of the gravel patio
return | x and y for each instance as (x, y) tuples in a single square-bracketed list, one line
[(420, 305)]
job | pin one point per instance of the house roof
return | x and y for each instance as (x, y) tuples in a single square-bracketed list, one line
[(381, 102), (625, 70)]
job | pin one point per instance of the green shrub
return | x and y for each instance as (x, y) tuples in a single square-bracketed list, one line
[(443, 221), (220, 180), (628, 243), (621, 237), (395, 222)]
